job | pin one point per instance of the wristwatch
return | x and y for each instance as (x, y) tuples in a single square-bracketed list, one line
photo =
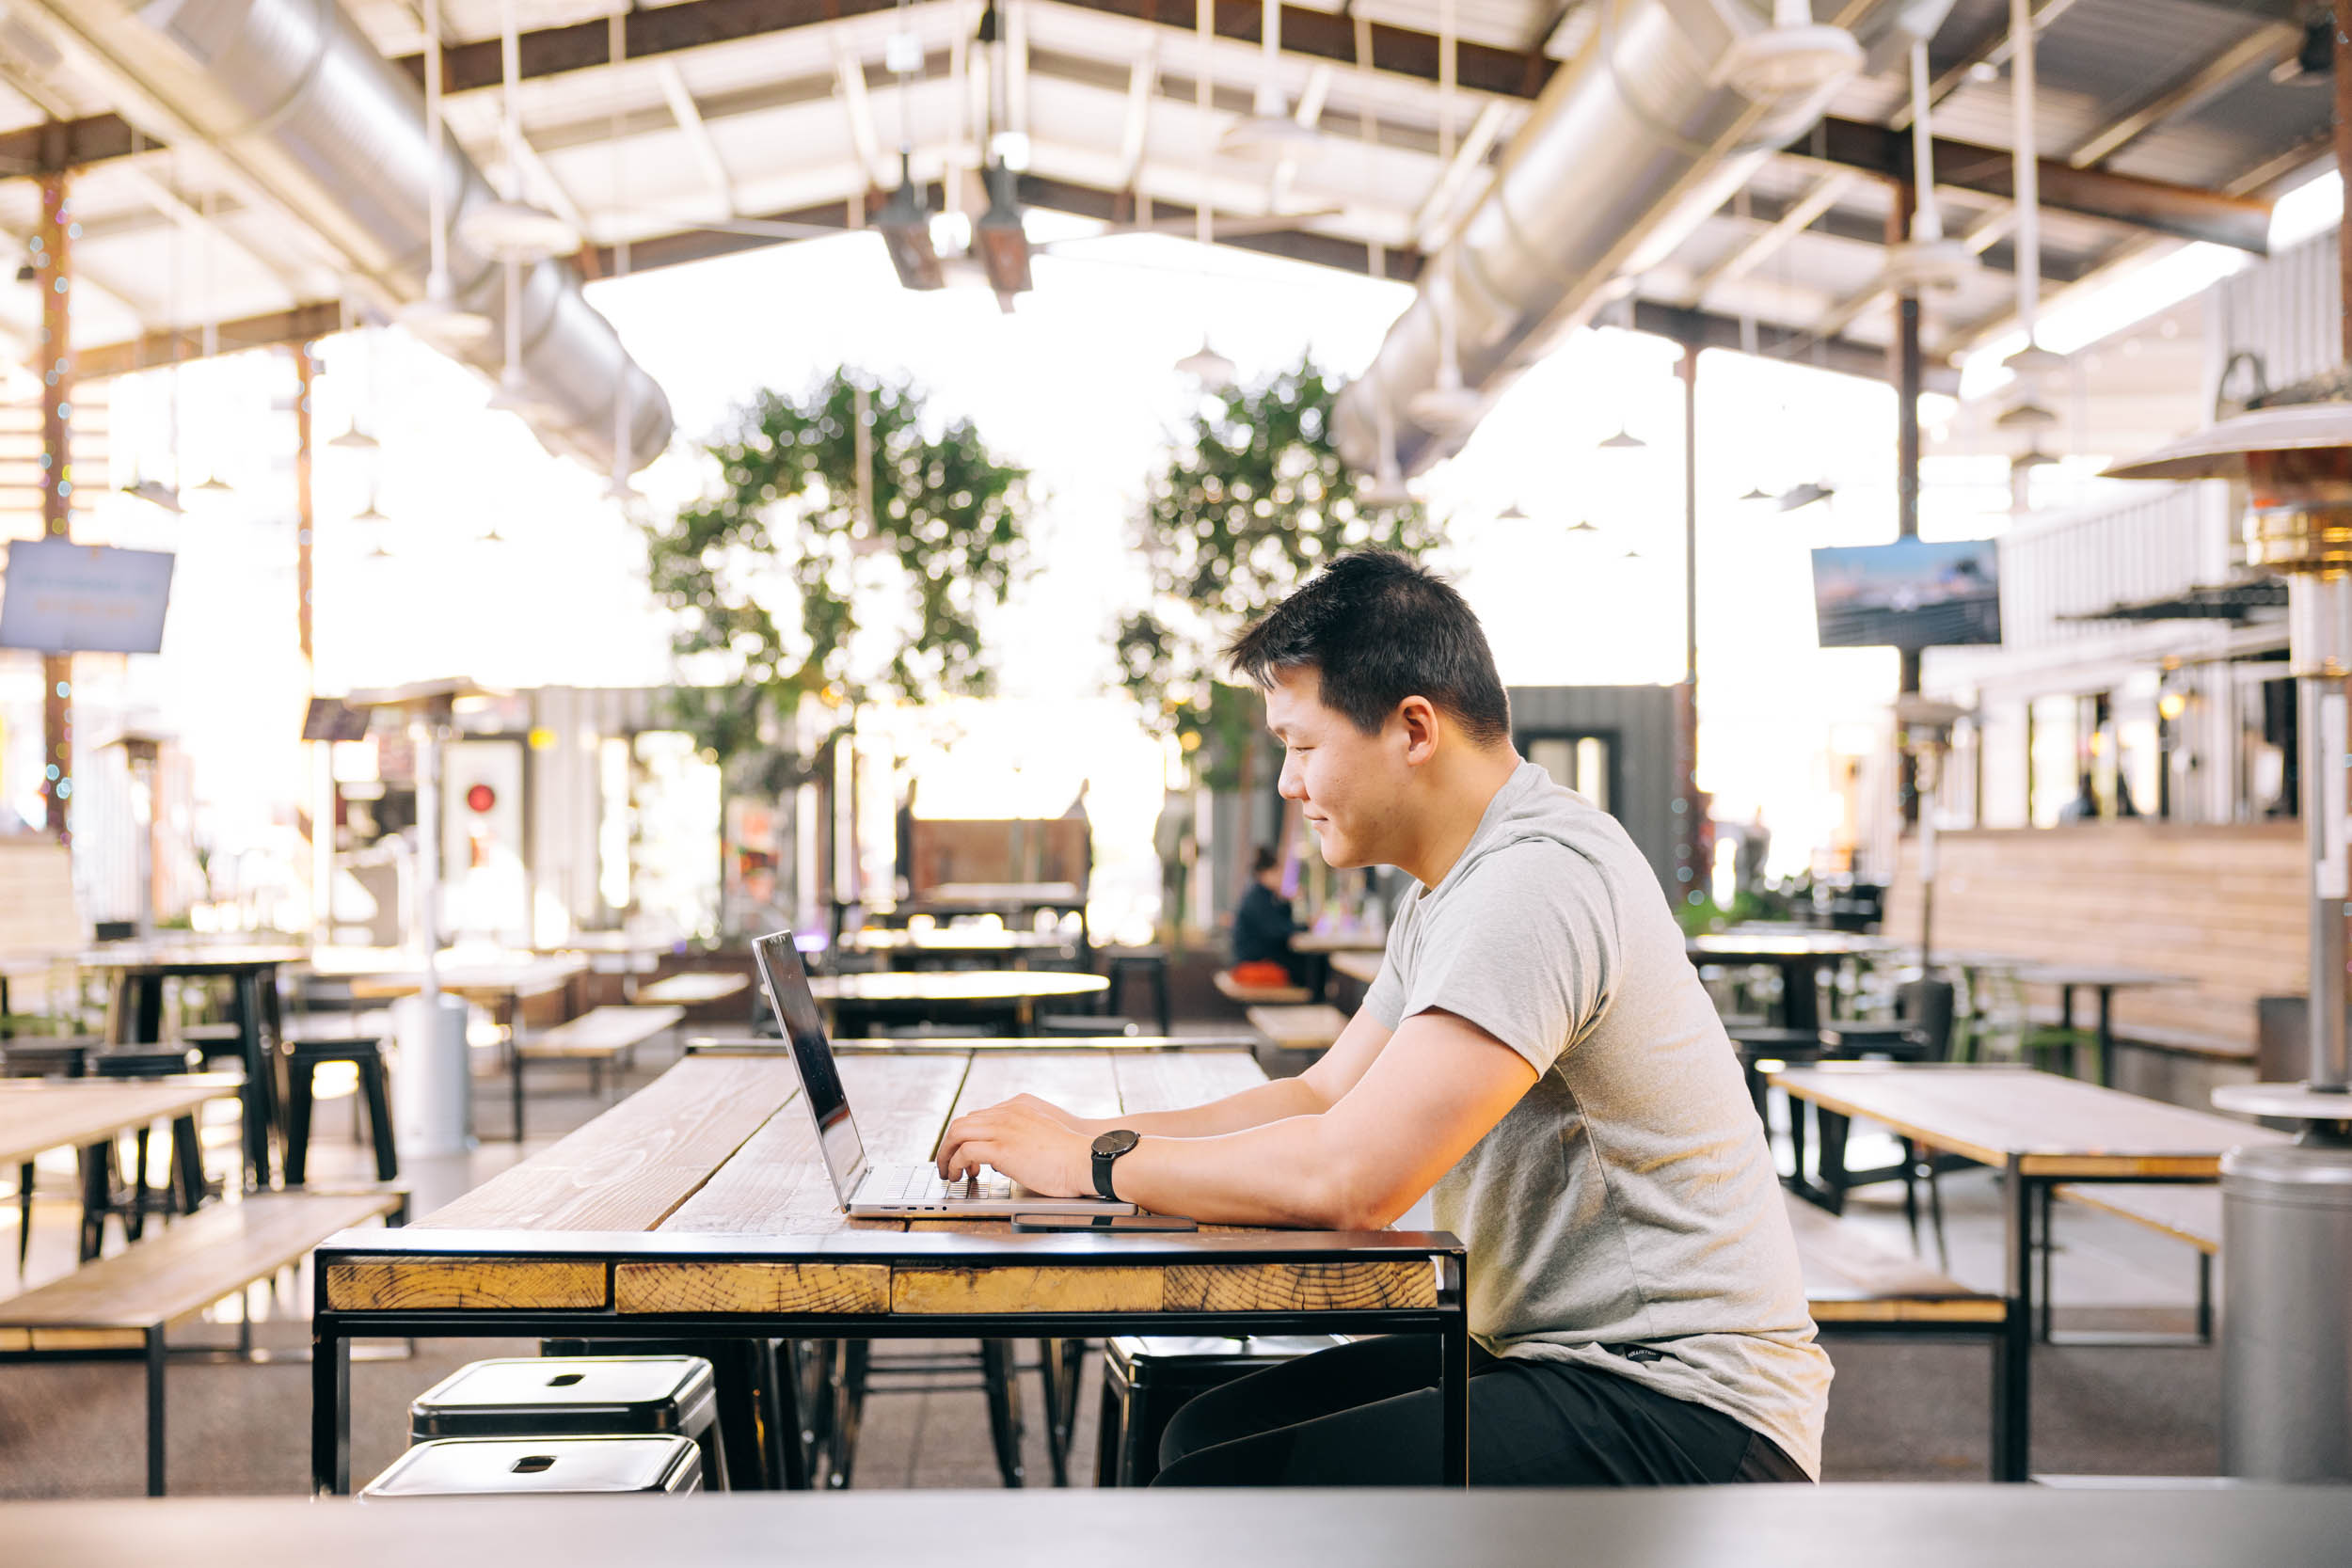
[(1108, 1148)]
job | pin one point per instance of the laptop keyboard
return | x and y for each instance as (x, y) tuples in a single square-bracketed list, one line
[(921, 1184)]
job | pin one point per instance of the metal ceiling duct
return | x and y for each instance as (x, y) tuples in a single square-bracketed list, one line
[(292, 95), (1631, 147)]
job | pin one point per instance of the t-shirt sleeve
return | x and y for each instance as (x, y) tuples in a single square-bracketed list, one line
[(1525, 947)]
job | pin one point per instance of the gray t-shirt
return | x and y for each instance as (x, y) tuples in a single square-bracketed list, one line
[(1630, 1197)]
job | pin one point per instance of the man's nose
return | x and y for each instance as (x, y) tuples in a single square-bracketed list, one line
[(1291, 786)]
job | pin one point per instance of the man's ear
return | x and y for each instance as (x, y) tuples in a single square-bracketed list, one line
[(1419, 718)]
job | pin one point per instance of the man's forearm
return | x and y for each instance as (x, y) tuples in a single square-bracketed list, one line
[(1274, 1101), (1284, 1173)]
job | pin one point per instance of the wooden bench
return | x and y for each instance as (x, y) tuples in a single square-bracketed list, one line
[(2183, 1212), (1294, 1036), (1308, 1028), (1855, 1285), (116, 1308), (597, 1037), (1234, 990), (693, 989)]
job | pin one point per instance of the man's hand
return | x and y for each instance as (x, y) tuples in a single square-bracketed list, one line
[(1035, 1143)]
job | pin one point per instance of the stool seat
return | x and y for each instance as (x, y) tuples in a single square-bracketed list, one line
[(1146, 1380), (506, 1466), (335, 1048), (541, 1396), (47, 1055), (143, 1061)]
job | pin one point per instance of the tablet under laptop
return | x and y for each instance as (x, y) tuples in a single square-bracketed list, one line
[(879, 1190)]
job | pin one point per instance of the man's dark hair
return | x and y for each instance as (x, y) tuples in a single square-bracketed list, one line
[(1263, 860), (1379, 629)]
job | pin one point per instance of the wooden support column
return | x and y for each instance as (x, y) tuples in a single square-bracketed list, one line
[(52, 258), (1905, 369), (318, 790)]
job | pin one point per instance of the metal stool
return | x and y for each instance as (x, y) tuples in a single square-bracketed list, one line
[(306, 1058), (1151, 964), (216, 1040), (1146, 1381), (495, 1466), (99, 1196), (634, 1396)]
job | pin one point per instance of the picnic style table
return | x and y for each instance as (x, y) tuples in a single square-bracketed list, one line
[(38, 1114), (2039, 1129), (1006, 996), (2107, 980), (2147, 1525), (699, 1209), (134, 1015), (1798, 955), (498, 985)]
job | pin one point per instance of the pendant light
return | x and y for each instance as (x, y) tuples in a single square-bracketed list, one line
[(510, 228), (1624, 441), (213, 485), (1388, 487), (1583, 525), (1209, 367), (1926, 262), (1269, 134), (1448, 408), (1756, 493), (353, 438), (438, 317), (2033, 362), (369, 512), (1511, 514)]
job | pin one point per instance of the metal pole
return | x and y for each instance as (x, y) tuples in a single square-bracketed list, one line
[(1689, 372), (1908, 373), (53, 274)]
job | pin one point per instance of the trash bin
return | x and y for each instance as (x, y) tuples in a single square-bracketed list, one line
[(2287, 1327)]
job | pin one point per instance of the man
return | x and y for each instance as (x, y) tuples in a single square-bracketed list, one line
[(1538, 1050), (1262, 922)]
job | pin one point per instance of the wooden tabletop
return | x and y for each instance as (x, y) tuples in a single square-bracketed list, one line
[(695, 987), (1337, 942), (38, 1114), (187, 957), (703, 1194), (968, 985), (2157, 1524), (2100, 977), (1774, 946), (2053, 1125), (2191, 1215), (953, 939), (1358, 966), (476, 980)]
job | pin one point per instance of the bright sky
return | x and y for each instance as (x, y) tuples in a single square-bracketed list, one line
[(1078, 385)]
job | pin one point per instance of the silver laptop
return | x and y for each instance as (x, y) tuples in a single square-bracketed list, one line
[(884, 1192)]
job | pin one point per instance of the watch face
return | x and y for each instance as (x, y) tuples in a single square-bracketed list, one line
[(1116, 1142)]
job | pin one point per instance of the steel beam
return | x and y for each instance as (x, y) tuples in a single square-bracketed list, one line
[(2183, 211), (314, 320)]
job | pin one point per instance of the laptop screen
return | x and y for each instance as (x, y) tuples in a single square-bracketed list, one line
[(787, 984)]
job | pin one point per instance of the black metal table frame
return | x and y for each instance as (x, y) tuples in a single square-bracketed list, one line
[(2025, 1197), (138, 987), (332, 1329)]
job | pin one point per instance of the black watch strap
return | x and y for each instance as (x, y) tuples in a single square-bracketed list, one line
[(1106, 1151)]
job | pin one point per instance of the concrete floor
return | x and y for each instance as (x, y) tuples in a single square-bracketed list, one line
[(1900, 1411)]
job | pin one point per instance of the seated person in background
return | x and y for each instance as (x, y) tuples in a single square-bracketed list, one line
[(1263, 926)]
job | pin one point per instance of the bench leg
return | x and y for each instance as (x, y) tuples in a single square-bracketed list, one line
[(2205, 1298), (514, 1070), (155, 1412), (1061, 1365), (187, 1164)]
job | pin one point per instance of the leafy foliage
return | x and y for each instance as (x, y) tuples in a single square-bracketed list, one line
[(780, 587), (1254, 498)]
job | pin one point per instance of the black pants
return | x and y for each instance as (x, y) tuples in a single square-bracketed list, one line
[(1367, 1415)]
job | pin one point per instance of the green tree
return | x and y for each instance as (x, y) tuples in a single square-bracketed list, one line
[(1253, 500), (790, 578)]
